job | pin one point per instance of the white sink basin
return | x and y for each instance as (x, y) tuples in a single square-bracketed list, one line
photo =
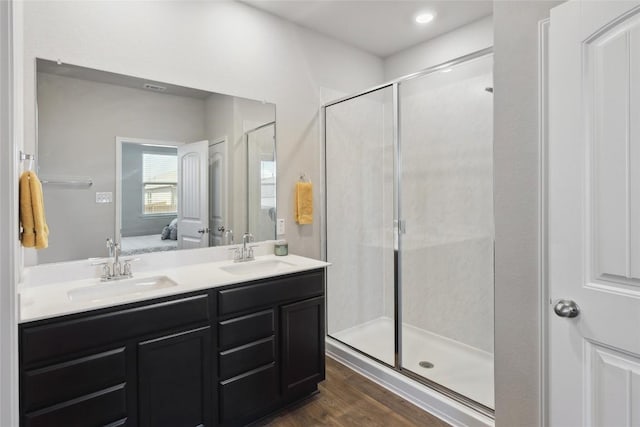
[(120, 287), (267, 266)]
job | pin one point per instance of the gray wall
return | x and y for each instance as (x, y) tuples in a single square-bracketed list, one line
[(78, 122), (516, 166), (134, 223), (228, 116)]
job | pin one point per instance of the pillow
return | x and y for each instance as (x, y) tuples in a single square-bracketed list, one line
[(166, 231)]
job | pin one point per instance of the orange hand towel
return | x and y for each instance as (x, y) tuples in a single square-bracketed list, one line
[(304, 203), (35, 232)]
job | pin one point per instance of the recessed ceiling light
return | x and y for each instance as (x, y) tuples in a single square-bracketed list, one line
[(425, 18)]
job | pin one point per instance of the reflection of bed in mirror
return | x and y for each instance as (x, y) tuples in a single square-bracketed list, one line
[(134, 245)]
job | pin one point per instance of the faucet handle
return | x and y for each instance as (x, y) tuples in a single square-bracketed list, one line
[(236, 253), (106, 271), (251, 247), (126, 268)]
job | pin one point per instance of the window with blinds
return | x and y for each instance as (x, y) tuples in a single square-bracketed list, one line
[(159, 183)]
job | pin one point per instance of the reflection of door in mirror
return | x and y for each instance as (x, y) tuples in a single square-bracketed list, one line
[(193, 190), (146, 195), (220, 233), (161, 199), (261, 181)]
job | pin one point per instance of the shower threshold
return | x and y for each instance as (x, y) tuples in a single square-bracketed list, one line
[(456, 366)]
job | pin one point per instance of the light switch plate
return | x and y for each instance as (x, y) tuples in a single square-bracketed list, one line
[(104, 197), (280, 226)]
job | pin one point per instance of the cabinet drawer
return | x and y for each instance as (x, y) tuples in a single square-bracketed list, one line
[(242, 359), (248, 394), (98, 409), (65, 381), (245, 329), (61, 338), (268, 293)]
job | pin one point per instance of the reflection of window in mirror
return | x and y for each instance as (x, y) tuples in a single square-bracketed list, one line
[(267, 184), (159, 183)]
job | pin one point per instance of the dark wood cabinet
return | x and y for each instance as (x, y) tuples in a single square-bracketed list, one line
[(129, 365), (302, 337), (174, 380), (248, 396), (256, 334), (220, 357)]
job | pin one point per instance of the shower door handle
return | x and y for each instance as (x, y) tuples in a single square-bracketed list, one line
[(401, 226)]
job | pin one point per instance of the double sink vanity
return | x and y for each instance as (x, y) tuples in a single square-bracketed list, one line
[(196, 344), (176, 334)]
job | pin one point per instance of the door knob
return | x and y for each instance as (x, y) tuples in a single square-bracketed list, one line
[(203, 230), (566, 308)]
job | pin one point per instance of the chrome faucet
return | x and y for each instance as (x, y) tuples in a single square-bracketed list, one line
[(244, 253), (116, 270)]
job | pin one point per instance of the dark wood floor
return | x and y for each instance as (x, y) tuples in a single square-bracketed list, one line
[(347, 398)]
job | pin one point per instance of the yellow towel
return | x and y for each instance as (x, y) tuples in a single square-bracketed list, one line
[(35, 232), (304, 203)]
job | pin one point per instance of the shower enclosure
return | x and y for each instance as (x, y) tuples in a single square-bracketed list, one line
[(409, 225)]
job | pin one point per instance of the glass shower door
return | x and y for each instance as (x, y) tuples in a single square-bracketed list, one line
[(446, 252), (360, 211)]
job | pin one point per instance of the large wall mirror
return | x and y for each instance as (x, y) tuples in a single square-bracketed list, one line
[(159, 167)]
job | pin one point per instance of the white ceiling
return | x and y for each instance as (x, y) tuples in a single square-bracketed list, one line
[(381, 27)]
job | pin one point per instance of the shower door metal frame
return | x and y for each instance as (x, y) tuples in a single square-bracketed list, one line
[(398, 225)]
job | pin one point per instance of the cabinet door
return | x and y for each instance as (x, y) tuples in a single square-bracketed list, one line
[(302, 337), (175, 380)]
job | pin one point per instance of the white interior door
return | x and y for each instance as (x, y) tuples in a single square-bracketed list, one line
[(594, 214), (218, 203), (193, 191)]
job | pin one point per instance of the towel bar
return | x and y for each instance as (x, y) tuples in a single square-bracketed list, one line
[(87, 182)]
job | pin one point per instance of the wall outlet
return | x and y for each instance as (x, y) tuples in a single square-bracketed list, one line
[(104, 197), (280, 226)]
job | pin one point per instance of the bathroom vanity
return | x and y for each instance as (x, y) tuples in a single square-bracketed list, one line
[(225, 354)]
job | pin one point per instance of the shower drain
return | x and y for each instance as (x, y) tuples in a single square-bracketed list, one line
[(425, 364)]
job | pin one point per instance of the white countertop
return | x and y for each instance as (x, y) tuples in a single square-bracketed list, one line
[(52, 300)]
